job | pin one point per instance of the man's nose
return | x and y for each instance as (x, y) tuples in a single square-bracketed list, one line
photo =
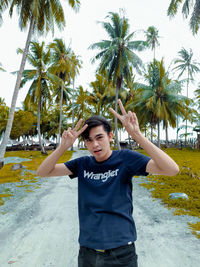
[(95, 143)]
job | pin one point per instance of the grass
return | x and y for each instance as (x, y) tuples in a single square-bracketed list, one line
[(187, 181), (9, 176)]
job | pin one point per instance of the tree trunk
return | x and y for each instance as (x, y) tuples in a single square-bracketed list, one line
[(60, 120), (145, 130), (166, 134), (159, 133), (187, 109), (116, 127), (39, 133), (72, 148), (177, 131), (151, 133), (15, 95)]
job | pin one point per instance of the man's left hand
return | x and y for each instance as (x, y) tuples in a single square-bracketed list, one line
[(129, 120)]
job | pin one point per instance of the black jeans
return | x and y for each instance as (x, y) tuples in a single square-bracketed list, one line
[(122, 256)]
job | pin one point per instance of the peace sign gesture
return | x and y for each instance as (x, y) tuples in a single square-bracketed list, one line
[(70, 135), (129, 120)]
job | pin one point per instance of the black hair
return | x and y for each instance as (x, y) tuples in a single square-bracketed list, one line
[(95, 121)]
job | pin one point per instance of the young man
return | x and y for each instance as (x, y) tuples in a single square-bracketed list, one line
[(107, 229)]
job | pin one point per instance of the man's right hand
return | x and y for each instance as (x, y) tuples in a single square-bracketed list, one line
[(70, 135), (49, 166)]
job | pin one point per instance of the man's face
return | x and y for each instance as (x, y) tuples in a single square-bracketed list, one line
[(98, 143)]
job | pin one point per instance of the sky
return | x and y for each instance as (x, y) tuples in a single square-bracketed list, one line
[(82, 30)]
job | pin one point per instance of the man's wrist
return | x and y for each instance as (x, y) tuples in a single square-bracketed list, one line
[(62, 149), (138, 137)]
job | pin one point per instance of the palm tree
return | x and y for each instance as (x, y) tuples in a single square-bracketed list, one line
[(186, 8), (185, 63), (50, 121), (102, 95), (3, 6), (43, 82), (152, 39), (197, 127), (40, 15), (158, 100), (197, 94), (117, 54), (77, 64), (81, 105), (62, 66)]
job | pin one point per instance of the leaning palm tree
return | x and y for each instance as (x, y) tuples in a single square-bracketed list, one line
[(41, 16), (152, 39), (186, 9), (186, 64), (116, 55), (43, 82)]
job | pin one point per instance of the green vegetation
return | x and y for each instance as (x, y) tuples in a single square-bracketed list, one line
[(187, 181), (188, 8), (116, 55), (41, 17), (52, 98), (9, 176)]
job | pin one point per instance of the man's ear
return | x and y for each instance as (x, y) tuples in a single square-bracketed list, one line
[(110, 136)]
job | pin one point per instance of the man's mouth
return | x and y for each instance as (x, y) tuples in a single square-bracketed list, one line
[(96, 151)]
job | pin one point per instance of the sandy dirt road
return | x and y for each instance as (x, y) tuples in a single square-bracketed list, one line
[(42, 229)]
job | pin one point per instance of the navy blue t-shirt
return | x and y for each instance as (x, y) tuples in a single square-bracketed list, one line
[(105, 198)]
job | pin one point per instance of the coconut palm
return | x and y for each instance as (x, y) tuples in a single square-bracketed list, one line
[(188, 6), (77, 64), (63, 65), (102, 95), (186, 64), (197, 120), (116, 55), (158, 100), (50, 121), (3, 6), (41, 16), (43, 82), (197, 94), (81, 107), (152, 39)]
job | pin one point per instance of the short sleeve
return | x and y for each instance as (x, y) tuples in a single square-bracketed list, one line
[(72, 165), (136, 162)]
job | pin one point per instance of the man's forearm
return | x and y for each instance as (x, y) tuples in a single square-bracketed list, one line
[(49, 163), (162, 160)]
